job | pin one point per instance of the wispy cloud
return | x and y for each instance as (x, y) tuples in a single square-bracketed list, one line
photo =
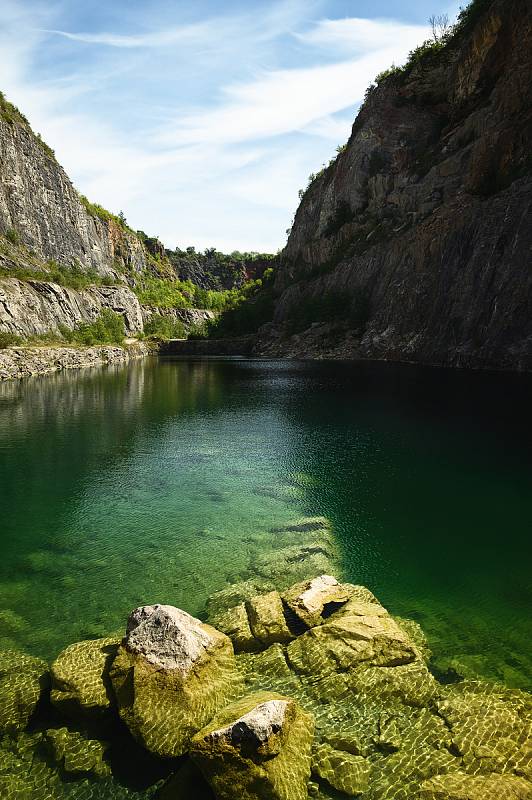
[(201, 131), (164, 38)]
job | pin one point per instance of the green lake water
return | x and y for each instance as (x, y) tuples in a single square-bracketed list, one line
[(162, 481)]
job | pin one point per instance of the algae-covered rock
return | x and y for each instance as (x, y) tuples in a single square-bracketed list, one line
[(346, 741), (310, 599), (343, 771), (22, 681), (235, 624), (258, 748), (75, 754), (459, 786), (414, 630), (490, 726), (80, 678), (171, 675), (266, 619), (370, 638), (411, 683)]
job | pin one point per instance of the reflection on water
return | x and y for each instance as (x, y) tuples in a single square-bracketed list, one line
[(162, 481)]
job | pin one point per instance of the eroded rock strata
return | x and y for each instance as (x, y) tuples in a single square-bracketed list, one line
[(343, 705), (415, 243)]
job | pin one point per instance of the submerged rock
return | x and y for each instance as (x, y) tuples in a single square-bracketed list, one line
[(362, 650), (80, 678), (266, 619), (458, 786), (343, 771), (490, 726), (172, 673), (22, 681), (310, 599), (75, 754), (258, 748), (287, 565), (235, 624)]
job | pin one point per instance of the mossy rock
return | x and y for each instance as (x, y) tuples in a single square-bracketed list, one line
[(75, 754), (258, 748), (235, 624), (23, 679), (459, 786), (343, 771), (266, 619), (171, 675), (81, 686)]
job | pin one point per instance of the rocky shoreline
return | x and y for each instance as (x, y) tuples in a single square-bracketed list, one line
[(290, 687), (23, 362)]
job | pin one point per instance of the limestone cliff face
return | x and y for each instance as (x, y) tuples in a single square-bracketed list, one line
[(39, 203), (34, 307), (424, 221)]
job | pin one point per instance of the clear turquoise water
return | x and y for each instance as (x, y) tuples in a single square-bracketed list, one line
[(161, 481)]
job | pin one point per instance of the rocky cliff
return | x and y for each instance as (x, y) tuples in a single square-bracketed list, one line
[(40, 207), (415, 243)]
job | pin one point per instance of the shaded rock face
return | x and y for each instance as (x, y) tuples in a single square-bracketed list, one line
[(423, 222), (38, 201), (172, 673), (258, 748), (34, 307)]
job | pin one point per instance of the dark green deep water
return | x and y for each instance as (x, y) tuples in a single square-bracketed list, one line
[(158, 482)]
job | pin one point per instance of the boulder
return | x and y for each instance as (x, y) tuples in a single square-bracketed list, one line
[(80, 679), (459, 786), (235, 624), (23, 678), (310, 600), (258, 748), (266, 619), (343, 771), (172, 673), (369, 637)]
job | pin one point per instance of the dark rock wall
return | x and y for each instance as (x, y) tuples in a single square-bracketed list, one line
[(425, 218)]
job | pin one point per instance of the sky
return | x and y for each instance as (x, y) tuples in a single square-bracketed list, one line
[(200, 120)]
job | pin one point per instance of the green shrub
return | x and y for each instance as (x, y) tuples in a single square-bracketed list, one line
[(8, 339), (161, 327), (107, 328), (12, 236)]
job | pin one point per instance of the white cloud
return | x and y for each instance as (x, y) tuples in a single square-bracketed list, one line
[(225, 173), (355, 35)]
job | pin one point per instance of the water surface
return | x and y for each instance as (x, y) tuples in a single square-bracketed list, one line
[(160, 481)]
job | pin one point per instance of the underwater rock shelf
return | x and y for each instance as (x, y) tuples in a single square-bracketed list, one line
[(314, 690)]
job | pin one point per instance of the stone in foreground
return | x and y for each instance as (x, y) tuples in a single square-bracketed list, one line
[(258, 748), (459, 786), (80, 678), (343, 771), (266, 619), (22, 680), (310, 599), (172, 673)]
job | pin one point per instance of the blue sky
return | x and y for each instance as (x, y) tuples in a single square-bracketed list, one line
[(200, 120)]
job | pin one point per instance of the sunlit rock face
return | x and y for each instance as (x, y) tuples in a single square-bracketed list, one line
[(170, 676)]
